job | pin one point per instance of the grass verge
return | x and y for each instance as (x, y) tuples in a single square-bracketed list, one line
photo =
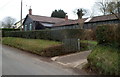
[(88, 41), (87, 44), (33, 45), (104, 60)]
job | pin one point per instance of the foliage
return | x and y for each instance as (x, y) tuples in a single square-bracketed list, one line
[(8, 22), (87, 44), (112, 7), (41, 47), (9, 29), (108, 35), (107, 7), (117, 32), (88, 34), (32, 45), (104, 60), (57, 35), (58, 13), (80, 12), (89, 41)]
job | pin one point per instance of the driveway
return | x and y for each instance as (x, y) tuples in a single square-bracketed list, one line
[(75, 60)]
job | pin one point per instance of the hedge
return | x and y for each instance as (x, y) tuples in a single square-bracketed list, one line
[(104, 60), (56, 35), (108, 34), (118, 35), (8, 29)]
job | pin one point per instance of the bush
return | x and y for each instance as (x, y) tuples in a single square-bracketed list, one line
[(56, 51), (88, 34), (7, 29), (118, 35), (46, 34), (41, 47), (104, 60), (57, 35), (108, 34)]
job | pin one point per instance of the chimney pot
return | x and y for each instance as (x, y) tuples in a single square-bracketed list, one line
[(66, 18), (30, 11)]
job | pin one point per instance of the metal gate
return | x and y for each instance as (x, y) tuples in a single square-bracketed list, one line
[(71, 44)]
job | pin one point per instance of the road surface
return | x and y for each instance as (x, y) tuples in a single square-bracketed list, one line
[(17, 62)]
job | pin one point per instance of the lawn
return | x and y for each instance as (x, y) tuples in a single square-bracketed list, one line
[(44, 47), (87, 44), (32, 45), (89, 41)]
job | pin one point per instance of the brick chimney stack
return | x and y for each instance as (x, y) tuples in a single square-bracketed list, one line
[(66, 18), (30, 11)]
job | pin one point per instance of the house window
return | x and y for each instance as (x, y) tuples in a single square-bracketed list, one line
[(30, 27), (25, 27)]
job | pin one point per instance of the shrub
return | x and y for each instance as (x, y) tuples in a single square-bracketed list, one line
[(46, 34), (106, 34), (57, 35), (88, 34), (104, 60), (55, 51), (41, 47), (118, 35), (7, 29)]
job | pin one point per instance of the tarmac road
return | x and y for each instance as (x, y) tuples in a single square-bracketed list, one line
[(17, 62)]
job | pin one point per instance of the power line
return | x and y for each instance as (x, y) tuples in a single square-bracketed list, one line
[(6, 4)]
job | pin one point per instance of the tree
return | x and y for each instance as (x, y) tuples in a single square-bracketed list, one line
[(107, 7), (8, 22), (80, 12), (102, 6), (114, 8), (0, 24), (58, 13)]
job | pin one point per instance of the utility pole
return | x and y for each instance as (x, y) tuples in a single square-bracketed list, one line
[(21, 17), (118, 7)]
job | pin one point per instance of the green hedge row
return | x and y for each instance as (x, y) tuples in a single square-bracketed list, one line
[(108, 34), (57, 35), (9, 29), (104, 60)]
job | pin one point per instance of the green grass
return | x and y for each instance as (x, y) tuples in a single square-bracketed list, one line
[(33, 45), (88, 41), (89, 45), (105, 60)]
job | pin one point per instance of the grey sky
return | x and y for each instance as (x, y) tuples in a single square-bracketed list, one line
[(42, 7)]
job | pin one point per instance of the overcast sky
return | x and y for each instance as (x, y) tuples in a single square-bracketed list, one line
[(42, 7)]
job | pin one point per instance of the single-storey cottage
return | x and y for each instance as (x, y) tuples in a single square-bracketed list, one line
[(35, 22), (88, 23)]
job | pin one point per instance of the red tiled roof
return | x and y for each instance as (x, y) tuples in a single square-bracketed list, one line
[(94, 19), (63, 22), (69, 22), (46, 19), (103, 18)]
